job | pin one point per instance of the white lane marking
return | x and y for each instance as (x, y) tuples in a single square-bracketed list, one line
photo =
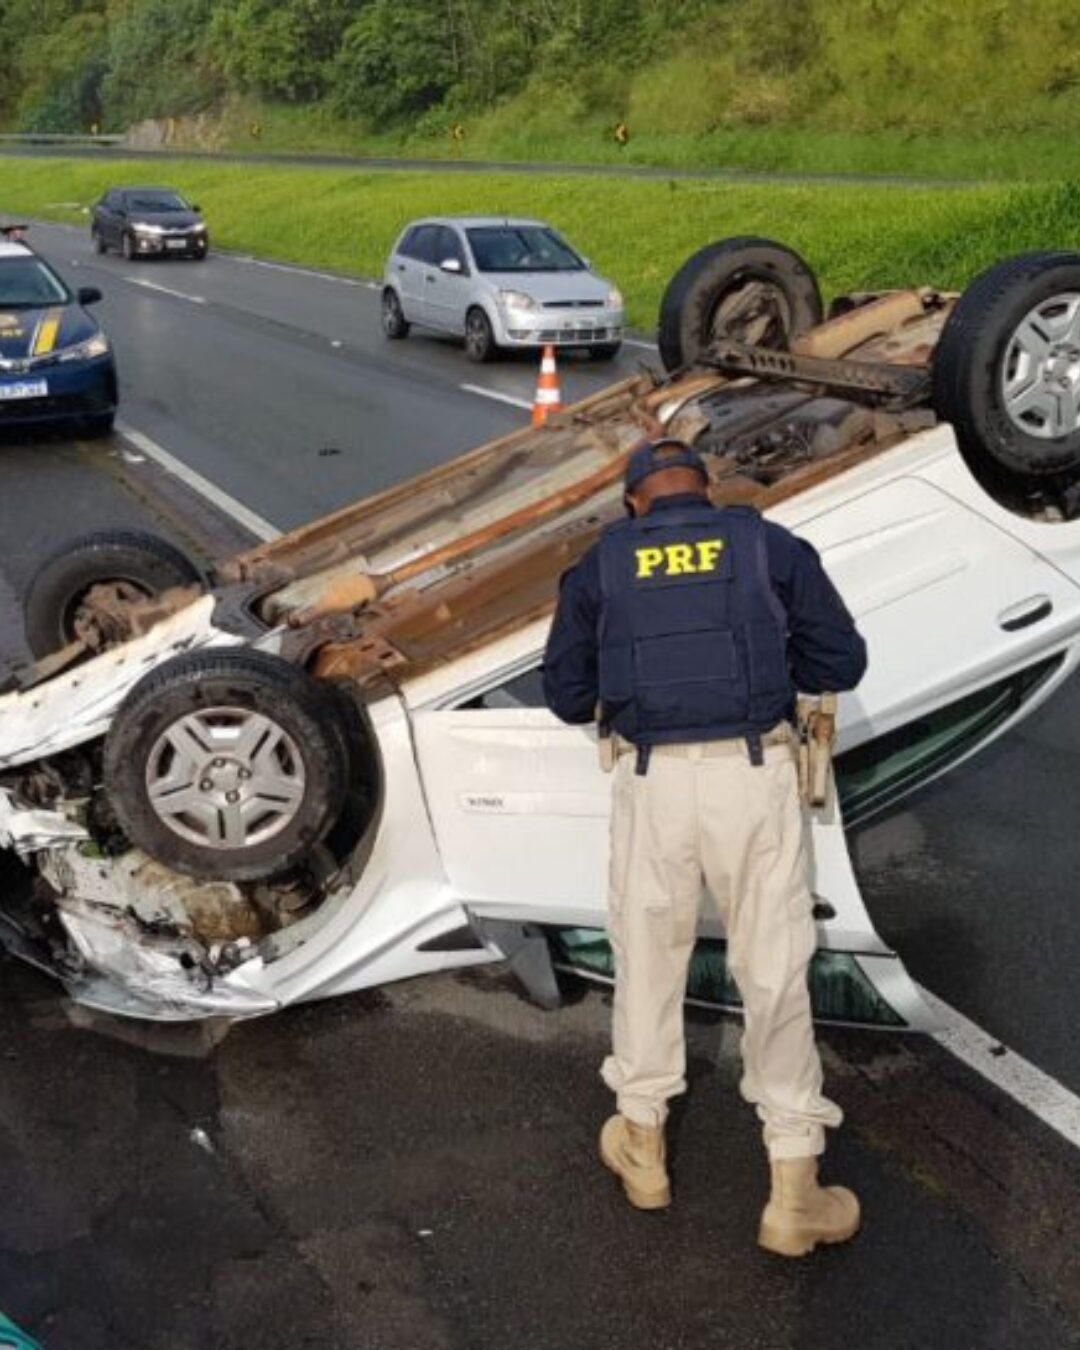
[(243, 515), (636, 342), (499, 398), (1017, 1077), (303, 271), (165, 290)]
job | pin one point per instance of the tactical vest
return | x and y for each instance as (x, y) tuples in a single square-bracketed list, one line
[(692, 637)]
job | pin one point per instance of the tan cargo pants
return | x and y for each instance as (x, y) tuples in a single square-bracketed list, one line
[(703, 812)]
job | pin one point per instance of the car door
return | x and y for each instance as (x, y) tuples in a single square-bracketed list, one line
[(949, 603), (446, 291), (410, 265), (106, 218), (521, 806)]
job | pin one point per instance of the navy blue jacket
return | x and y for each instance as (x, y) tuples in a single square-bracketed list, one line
[(824, 648)]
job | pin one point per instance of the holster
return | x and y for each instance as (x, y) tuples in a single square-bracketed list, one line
[(815, 720)]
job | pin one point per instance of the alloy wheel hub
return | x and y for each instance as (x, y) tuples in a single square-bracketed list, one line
[(225, 778), (1041, 374)]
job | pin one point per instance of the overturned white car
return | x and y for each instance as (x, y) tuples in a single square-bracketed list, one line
[(329, 766)]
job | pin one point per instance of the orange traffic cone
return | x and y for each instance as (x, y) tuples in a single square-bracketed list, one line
[(548, 398)]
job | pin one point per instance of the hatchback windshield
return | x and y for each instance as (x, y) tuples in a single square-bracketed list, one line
[(156, 201), (521, 248), (27, 282)]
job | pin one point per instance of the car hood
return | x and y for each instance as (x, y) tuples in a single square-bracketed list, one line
[(170, 220), (37, 332), (548, 287)]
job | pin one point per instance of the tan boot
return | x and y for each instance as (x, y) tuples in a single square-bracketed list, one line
[(635, 1153), (800, 1213)]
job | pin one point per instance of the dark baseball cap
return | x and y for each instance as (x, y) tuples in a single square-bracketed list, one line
[(664, 454)]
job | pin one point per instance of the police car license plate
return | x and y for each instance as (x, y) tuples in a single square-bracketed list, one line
[(24, 389), (176, 243)]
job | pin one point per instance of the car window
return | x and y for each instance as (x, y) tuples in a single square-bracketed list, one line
[(521, 248), (156, 201), (449, 246), (28, 283), (524, 690), (424, 246)]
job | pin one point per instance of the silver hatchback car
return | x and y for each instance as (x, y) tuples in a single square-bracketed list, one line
[(498, 282)]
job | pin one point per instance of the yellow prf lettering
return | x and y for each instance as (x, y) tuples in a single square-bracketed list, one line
[(680, 559), (648, 560), (708, 551)]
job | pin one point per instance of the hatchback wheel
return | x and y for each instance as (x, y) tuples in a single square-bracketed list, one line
[(394, 323), (127, 247), (479, 338), (227, 765), (98, 240)]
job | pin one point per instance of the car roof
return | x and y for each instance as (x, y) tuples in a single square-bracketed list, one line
[(11, 249), (473, 222), (147, 187)]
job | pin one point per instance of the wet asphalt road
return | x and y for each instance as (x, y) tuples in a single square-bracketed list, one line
[(414, 1167)]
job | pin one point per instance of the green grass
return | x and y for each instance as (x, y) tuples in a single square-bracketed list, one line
[(635, 231), (522, 131)]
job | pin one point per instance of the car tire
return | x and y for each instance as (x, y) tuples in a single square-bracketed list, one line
[(98, 425), (127, 247), (605, 351), (479, 337), (142, 562), (394, 324), (98, 240), (1006, 371), (748, 289), (182, 742)]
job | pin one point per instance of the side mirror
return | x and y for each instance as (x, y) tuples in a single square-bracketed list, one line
[(197, 210), (88, 295), (451, 265)]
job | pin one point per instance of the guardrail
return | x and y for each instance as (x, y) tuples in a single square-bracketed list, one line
[(59, 138)]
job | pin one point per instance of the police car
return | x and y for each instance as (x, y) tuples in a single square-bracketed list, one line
[(329, 765), (56, 364)]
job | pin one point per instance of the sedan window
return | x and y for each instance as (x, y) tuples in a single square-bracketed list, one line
[(156, 201), (521, 248), (524, 690), (26, 283)]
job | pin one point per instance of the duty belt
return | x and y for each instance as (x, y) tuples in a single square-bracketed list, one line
[(781, 734)]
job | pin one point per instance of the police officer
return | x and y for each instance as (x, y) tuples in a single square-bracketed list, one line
[(687, 629)]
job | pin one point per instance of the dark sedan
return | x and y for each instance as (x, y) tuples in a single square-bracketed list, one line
[(148, 222), (56, 364)]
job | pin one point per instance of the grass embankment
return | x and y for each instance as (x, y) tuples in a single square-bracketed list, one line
[(637, 232), (519, 132)]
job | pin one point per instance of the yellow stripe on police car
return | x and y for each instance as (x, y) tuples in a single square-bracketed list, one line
[(47, 330), (676, 560)]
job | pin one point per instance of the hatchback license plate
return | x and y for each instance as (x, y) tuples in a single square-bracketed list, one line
[(24, 389), (176, 243)]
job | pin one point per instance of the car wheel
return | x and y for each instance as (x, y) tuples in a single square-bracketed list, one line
[(1007, 370), (605, 351), (394, 323), (127, 246), (98, 240), (59, 607), (226, 765), (479, 338), (748, 289)]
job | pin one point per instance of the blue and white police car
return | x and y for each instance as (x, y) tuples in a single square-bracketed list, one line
[(56, 363)]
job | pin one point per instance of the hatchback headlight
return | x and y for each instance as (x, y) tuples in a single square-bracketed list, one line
[(98, 345), (141, 228), (517, 300), (199, 228), (614, 298)]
